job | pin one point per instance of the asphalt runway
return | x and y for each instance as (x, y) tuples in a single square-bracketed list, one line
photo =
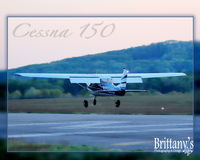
[(125, 132)]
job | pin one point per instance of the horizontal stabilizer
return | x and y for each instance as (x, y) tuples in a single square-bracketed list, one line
[(136, 90)]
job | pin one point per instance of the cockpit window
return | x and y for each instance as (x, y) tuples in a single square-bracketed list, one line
[(106, 80)]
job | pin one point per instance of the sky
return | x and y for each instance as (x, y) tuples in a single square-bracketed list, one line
[(40, 40), (26, 50)]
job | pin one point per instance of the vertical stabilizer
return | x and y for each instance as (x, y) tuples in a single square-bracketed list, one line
[(123, 79)]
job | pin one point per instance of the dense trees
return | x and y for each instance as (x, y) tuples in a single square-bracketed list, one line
[(60, 88)]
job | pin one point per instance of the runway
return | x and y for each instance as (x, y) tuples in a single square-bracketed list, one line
[(124, 132)]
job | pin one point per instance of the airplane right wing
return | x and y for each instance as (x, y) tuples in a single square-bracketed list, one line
[(43, 75)]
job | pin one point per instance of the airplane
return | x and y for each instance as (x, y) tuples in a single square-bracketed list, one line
[(104, 84)]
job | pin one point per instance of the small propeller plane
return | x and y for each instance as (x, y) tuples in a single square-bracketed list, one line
[(104, 84)]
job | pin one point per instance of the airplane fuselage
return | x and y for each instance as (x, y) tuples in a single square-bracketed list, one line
[(105, 89)]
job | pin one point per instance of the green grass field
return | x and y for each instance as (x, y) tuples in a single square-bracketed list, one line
[(14, 145), (146, 103), (90, 155)]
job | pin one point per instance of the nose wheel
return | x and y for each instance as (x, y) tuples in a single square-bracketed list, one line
[(117, 103), (94, 101)]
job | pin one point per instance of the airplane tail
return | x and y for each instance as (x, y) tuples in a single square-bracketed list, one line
[(123, 79)]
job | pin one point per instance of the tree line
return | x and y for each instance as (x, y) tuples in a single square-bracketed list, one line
[(48, 88)]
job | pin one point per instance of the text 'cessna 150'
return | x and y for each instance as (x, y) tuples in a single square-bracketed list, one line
[(104, 84)]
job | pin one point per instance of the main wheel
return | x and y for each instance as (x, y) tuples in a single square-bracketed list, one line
[(85, 103), (94, 102), (117, 103)]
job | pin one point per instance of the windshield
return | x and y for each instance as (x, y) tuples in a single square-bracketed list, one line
[(106, 80)]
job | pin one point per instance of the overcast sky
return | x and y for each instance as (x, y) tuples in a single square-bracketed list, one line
[(87, 7)]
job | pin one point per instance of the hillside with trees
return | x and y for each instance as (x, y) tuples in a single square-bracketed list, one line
[(169, 56)]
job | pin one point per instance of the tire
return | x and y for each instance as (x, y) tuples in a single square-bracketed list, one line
[(117, 103), (94, 102), (85, 103)]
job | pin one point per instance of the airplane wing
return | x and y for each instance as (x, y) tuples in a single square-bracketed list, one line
[(137, 77), (95, 78)]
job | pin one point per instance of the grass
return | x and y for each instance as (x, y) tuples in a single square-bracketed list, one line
[(91, 155), (14, 145), (178, 103)]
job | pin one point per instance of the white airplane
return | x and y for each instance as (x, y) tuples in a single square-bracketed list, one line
[(103, 84)]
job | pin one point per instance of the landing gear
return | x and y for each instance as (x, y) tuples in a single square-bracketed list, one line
[(85, 103), (117, 103), (94, 102)]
